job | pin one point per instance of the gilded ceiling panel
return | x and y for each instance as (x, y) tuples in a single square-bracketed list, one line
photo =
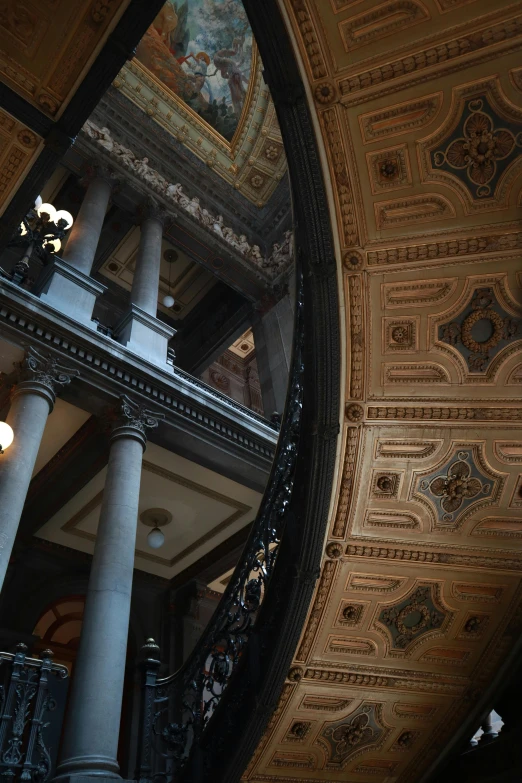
[(197, 72), (420, 594), (19, 147), (46, 47)]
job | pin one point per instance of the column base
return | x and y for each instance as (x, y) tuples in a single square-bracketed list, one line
[(146, 336), (99, 777), (69, 291)]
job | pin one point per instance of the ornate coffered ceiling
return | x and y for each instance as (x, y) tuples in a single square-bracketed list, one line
[(164, 80), (419, 599)]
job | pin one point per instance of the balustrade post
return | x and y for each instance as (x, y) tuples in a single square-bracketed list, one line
[(66, 284), (93, 720), (149, 666), (489, 732), (140, 330), (32, 399)]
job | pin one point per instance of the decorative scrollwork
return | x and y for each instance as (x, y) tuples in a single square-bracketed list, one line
[(134, 414), (45, 369), (28, 696)]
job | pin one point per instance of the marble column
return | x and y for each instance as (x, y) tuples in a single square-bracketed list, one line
[(66, 284), (93, 718), (32, 399), (140, 330), (273, 327)]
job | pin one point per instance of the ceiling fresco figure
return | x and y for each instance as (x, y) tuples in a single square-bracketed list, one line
[(201, 50)]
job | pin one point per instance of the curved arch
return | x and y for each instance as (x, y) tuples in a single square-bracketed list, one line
[(252, 695)]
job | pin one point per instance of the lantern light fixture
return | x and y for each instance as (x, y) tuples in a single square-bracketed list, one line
[(41, 231)]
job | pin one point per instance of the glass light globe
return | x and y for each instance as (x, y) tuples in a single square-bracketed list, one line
[(155, 539), (56, 244), (168, 300), (47, 209), (6, 435), (62, 214), (23, 230), (38, 202)]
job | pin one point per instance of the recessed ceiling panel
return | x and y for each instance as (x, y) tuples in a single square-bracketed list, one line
[(206, 509)]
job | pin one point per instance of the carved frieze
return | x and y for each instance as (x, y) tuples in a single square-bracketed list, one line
[(354, 88), (465, 246), (345, 197)]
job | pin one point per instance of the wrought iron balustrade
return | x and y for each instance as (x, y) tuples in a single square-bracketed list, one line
[(177, 709), (32, 702)]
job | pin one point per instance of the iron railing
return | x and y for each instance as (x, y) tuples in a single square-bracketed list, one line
[(32, 702), (177, 709)]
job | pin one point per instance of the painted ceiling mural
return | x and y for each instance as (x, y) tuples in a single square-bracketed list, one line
[(197, 73), (202, 51), (419, 601)]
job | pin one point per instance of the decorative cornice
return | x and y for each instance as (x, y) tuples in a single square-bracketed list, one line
[(97, 355)]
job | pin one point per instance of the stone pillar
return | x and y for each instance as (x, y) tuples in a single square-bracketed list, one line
[(93, 719), (273, 327), (145, 285), (32, 400), (66, 284), (140, 330)]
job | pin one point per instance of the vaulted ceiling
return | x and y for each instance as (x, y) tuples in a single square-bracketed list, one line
[(418, 107)]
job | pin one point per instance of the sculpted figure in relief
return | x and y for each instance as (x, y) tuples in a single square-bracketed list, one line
[(281, 254)]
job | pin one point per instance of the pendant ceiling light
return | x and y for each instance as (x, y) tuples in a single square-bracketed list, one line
[(168, 300)]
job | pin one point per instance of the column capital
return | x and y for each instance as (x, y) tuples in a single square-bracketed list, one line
[(41, 374), (132, 419), (150, 209), (95, 169)]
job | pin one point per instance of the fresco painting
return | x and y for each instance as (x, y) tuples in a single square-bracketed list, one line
[(202, 51)]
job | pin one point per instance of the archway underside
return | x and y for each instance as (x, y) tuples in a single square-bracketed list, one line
[(420, 595)]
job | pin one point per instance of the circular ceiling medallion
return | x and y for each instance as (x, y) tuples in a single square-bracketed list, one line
[(156, 517), (170, 256)]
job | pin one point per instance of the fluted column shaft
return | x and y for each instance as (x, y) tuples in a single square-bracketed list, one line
[(31, 402), (145, 284), (93, 719), (85, 232)]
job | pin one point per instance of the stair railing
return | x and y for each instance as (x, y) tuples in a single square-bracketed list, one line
[(32, 703), (176, 709)]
